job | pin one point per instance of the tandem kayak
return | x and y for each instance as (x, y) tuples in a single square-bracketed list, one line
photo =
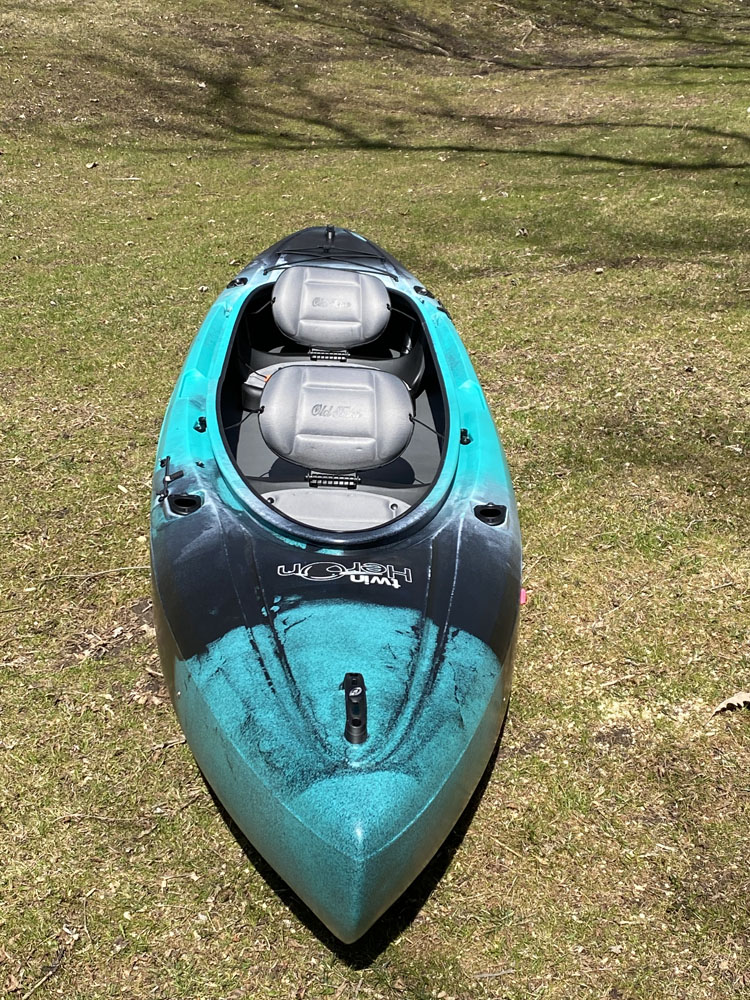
[(336, 566)]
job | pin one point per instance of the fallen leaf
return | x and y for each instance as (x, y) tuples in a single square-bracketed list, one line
[(739, 700)]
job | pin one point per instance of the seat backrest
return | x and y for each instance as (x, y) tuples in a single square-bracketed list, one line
[(336, 418), (330, 308)]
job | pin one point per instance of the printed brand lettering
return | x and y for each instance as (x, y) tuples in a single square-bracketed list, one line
[(342, 411), (365, 573), (321, 302)]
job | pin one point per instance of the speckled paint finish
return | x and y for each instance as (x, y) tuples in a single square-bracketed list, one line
[(347, 826), (258, 620)]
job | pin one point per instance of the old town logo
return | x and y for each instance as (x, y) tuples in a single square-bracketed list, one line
[(323, 302), (339, 411)]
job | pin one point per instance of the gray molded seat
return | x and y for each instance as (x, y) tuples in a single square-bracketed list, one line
[(336, 419), (330, 308)]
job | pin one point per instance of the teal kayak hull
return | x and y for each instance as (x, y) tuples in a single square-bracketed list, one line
[(259, 620)]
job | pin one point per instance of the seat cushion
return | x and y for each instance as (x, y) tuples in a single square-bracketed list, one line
[(336, 418), (330, 308)]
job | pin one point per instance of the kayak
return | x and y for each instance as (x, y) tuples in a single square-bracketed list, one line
[(336, 569)]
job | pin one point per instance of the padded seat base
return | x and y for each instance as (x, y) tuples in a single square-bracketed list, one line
[(336, 509), (336, 419), (330, 308)]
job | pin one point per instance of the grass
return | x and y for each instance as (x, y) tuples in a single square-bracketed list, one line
[(571, 178)]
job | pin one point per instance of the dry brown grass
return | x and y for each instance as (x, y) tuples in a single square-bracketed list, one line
[(606, 856)]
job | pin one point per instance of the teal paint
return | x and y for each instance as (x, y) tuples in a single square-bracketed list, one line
[(348, 827)]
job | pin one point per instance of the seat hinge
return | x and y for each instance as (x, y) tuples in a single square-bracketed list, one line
[(348, 479), (320, 354)]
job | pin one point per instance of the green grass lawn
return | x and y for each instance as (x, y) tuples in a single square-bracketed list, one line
[(572, 179)]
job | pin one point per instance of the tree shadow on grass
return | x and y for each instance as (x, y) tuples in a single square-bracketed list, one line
[(299, 117), (501, 40), (400, 915), (303, 75)]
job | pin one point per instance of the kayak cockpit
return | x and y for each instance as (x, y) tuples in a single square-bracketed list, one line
[(331, 401)]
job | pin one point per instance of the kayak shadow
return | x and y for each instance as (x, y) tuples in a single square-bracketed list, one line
[(400, 914)]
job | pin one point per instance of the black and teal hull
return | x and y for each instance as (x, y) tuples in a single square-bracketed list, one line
[(259, 619)]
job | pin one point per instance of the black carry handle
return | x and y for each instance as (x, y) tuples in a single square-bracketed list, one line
[(356, 708)]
